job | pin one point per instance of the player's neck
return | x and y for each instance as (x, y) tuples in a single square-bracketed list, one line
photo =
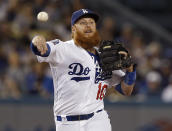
[(92, 50)]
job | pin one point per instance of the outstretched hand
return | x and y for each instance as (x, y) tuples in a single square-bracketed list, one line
[(40, 42)]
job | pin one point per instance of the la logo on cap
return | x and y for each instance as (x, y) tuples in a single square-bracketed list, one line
[(84, 11)]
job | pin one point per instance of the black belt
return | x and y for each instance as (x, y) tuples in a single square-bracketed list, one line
[(78, 117)]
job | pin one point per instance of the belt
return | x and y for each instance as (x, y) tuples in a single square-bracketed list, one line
[(77, 117)]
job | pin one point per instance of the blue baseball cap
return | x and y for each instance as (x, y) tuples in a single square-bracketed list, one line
[(82, 13)]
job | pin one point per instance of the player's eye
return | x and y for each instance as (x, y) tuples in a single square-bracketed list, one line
[(91, 22), (83, 23), (86, 23)]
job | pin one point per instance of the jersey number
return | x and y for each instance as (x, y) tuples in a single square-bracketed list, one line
[(101, 92)]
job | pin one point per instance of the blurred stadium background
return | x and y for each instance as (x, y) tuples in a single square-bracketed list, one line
[(26, 88)]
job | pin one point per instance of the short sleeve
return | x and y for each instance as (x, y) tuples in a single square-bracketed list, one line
[(55, 51)]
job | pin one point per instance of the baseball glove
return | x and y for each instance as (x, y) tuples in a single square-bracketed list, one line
[(113, 56)]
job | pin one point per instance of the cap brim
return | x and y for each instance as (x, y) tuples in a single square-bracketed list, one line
[(89, 15)]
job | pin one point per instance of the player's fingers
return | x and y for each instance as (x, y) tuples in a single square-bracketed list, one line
[(37, 40), (40, 43), (44, 48), (40, 49), (34, 41), (123, 53)]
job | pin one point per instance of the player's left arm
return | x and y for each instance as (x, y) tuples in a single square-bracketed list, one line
[(127, 84)]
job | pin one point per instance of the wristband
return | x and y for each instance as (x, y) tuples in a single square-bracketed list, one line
[(130, 77)]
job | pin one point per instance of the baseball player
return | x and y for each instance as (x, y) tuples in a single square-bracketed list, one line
[(79, 88)]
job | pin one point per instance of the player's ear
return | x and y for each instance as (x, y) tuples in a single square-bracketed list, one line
[(73, 28), (73, 31)]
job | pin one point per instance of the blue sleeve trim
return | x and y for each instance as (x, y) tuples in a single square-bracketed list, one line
[(130, 77), (118, 88), (34, 49), (36, 52)]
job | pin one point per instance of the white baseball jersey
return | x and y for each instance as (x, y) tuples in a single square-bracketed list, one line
[(78, 88)]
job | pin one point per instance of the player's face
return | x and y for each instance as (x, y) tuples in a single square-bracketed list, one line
[(87, 26), (85, 34)]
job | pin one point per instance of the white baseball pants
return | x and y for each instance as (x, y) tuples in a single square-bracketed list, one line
[(99, 122)]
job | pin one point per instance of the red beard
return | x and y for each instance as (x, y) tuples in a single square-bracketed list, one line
[(87, 42)]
